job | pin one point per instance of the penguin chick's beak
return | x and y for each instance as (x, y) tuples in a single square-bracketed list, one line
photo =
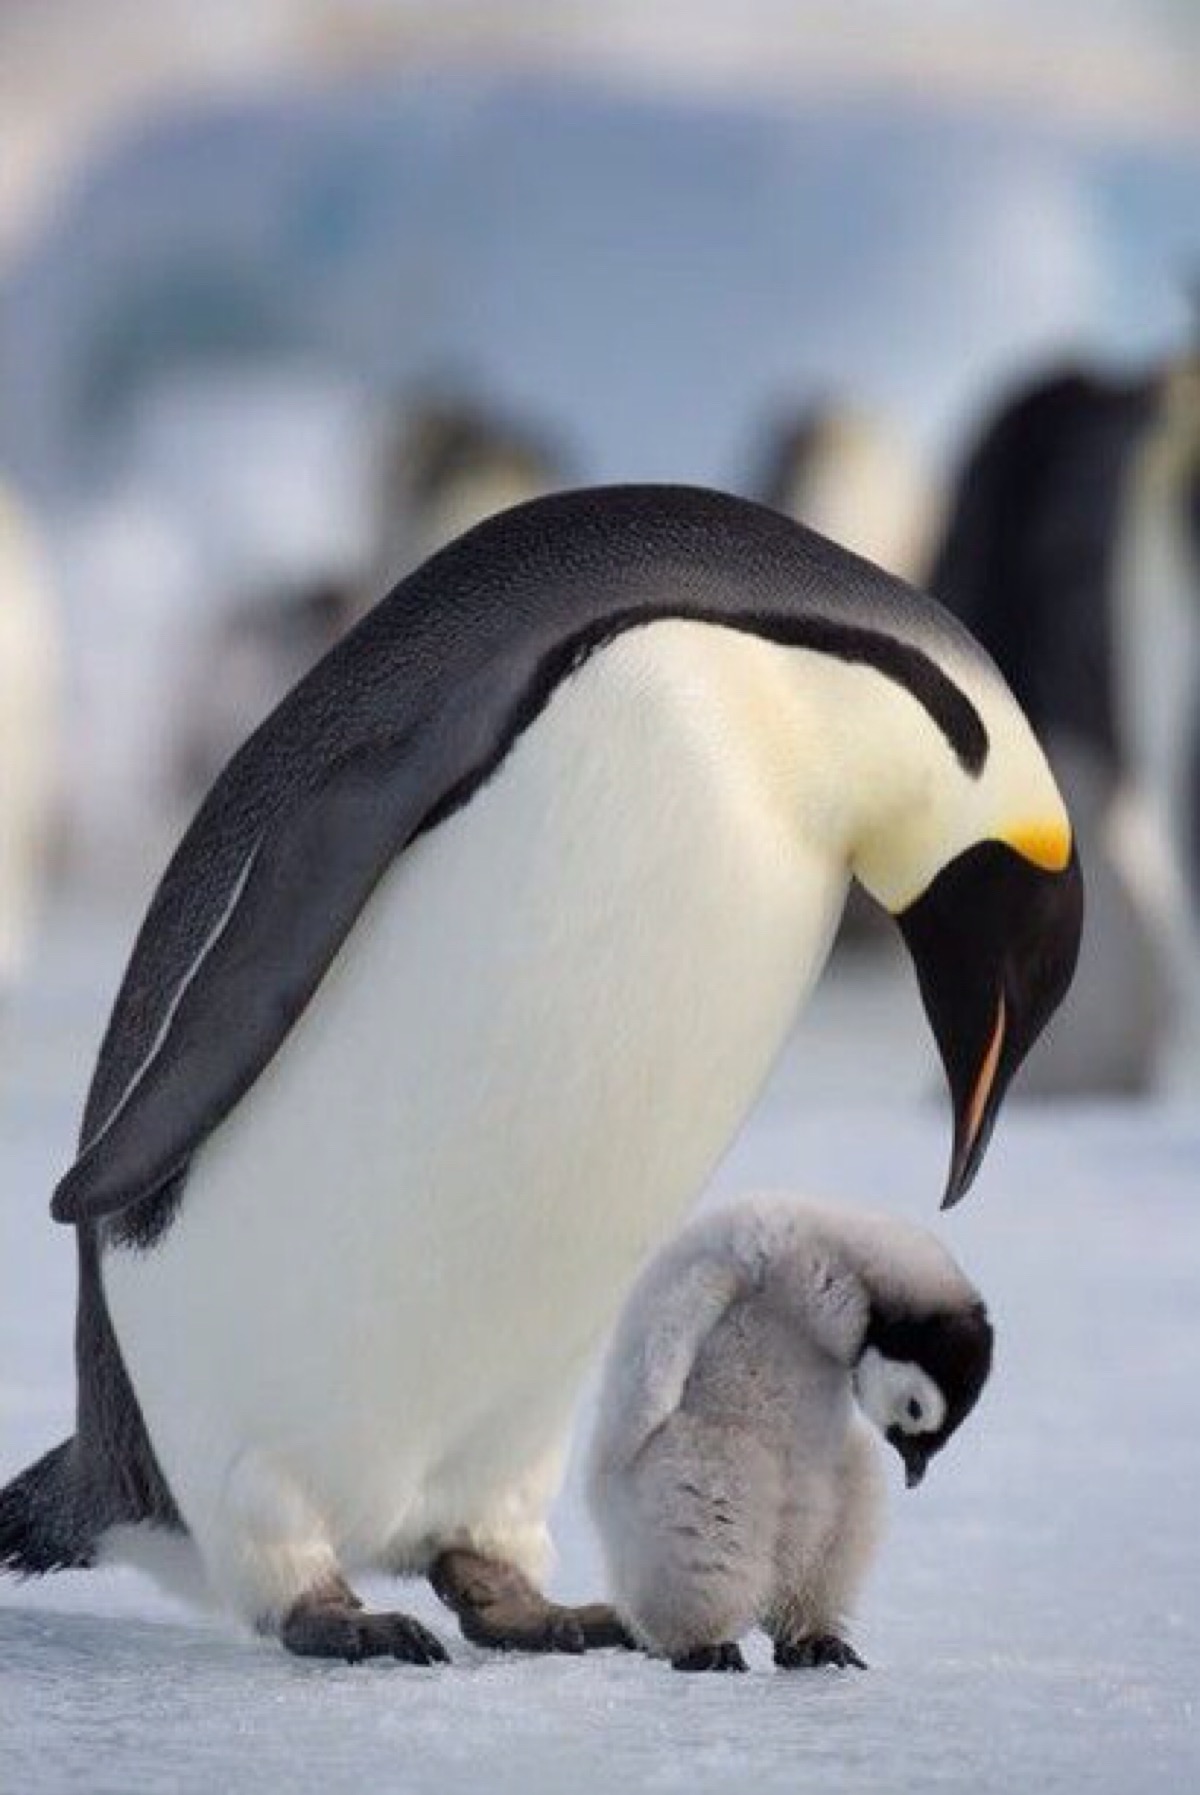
[(913, 1452), (995, 940)]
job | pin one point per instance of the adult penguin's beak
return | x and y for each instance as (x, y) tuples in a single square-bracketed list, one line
[(975, 1117), (995, 940)]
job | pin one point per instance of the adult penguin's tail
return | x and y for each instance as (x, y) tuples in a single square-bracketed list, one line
[(43, 1525)]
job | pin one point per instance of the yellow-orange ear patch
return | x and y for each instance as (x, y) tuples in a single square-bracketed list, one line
[(1047, 845)]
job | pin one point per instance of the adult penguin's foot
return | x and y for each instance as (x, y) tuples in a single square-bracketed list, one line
[(726, 1656), (337, 1625), (498, 1606)]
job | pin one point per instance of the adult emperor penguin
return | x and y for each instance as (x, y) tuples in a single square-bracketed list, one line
[(464, 976)]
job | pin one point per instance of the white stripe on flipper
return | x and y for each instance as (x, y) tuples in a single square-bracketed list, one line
[(185, 984)]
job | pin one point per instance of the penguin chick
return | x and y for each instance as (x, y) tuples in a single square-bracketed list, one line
[(732, 1482)]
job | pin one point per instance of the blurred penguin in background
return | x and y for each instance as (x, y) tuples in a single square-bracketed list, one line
[(251, 653), (1158, 627), (28, 736), (855, 479), (1070, 555), (450, 464), (440, 469), (850, 476)]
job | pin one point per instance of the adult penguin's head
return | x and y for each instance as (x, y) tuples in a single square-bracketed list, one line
[(976, 861)]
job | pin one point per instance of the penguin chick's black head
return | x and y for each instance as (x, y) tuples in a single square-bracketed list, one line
[(954, 1350), (994, 940)]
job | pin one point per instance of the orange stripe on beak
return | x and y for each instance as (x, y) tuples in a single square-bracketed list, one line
[(987, 1076)]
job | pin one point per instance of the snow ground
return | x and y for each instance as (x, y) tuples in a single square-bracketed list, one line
[(1034, 1618)]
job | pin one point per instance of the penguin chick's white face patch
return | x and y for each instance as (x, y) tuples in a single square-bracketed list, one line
[(895, 1393)]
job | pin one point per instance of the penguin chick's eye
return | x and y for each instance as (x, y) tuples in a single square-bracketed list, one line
[(897, 1393)]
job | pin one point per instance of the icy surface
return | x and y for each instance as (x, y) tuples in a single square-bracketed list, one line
[(1034, 1619)]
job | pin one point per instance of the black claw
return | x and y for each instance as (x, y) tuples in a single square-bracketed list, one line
[(817, 1652), (727, 1656), (417, 1645)]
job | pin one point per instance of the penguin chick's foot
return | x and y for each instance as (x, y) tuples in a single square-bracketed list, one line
[(818, 1650), (338, 1626), (712, 1657), (498, 1606)]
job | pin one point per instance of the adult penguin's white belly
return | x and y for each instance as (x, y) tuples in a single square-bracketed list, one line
[(396, 1257)]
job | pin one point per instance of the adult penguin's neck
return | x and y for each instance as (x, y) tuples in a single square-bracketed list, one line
[(842, 761)]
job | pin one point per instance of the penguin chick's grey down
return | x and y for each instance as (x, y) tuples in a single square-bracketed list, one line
[(731, 1480)]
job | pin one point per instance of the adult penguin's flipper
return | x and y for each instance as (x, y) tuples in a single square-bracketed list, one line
[(295, 900)]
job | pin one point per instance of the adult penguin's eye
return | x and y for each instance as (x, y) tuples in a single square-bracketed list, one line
[(914, 1410)]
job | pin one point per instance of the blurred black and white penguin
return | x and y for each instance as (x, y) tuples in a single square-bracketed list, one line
[(852, 476), (441, 468), (246, 658), (1070, 554), (452, 461), (30, 679), (465, 975), (1158, 586)]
